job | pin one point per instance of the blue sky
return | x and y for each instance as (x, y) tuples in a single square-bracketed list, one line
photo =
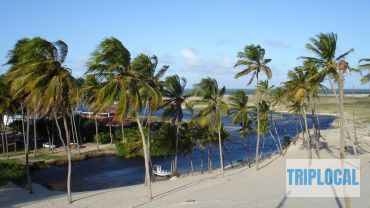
[(196, 38)]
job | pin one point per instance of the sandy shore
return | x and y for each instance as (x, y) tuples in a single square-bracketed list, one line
[(241, 187)]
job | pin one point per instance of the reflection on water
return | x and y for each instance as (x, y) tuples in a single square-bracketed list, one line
[(110, 172)]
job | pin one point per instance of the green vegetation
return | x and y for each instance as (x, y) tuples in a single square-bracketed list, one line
[(41, 89), (11, 171)]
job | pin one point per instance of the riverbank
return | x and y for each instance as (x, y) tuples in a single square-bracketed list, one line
[(58, 155), (241, 187)]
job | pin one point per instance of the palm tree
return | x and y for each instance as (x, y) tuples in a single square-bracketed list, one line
[(215, 108), (253, 58), (90, 87), (37, 73), (366, 78), (5, 105), (332, 67), (240, 111), (125, 81), (298, 89), (174, 98)]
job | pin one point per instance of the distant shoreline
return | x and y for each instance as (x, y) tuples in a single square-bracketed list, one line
[(250, 91)]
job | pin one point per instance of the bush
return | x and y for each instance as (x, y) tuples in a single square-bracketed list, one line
[(120, 149), (104, 138), (9, 171)]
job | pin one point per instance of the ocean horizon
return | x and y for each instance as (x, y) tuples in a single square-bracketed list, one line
[(250, 91)]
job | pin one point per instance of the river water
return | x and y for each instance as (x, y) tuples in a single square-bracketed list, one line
[(111, 172)]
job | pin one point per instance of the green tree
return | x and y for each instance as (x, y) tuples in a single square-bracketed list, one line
[(40, 80), (332, 67), (125, 82), (174, 98), (253, 59), (211, 114), (240, 110)]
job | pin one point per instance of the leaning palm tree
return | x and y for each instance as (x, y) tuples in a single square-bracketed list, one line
[(253, 58), (174, 99), (366, 78), (240, 110), (38, 73), (215, 108), (332, 67), (125, 82)]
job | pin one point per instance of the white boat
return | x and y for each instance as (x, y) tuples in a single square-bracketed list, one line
[(157, 170)]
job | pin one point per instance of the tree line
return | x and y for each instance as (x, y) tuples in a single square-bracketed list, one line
[(39, 85)]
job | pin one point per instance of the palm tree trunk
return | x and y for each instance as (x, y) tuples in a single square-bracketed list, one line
[(73, 125), (146, 156), (353, 112), (27, 150), (110, 126), (347, 200), (122, 130), (258, 126), (72, 132), (273, 138), (96, 133), (209, 160), (201, 162), (300, 123), (34, 137), (277, 134), (6, 139), (307, 132), (220, 147), (177, 140), (335, 95), (2, 136), (69, 156), (3, 144), (47, 130), (60, 133), (191, 162)]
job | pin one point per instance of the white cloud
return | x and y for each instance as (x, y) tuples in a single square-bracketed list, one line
[(191, 58)]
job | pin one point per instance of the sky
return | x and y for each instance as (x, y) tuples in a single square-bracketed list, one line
[(196, 38)]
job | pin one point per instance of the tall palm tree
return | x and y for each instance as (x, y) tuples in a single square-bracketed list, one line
[(240, 110), (366, 78), (332, 67), (125, 81), (174, 99), (215, 108), (37, 73), (253, 58)]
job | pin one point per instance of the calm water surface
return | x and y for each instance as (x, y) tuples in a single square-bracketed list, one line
[(110, 172)]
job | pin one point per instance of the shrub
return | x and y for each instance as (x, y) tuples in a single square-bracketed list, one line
[(104, 138), (11, 171)]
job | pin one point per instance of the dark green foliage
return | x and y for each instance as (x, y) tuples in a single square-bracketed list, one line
[(104, 138), (9, 171), (120, 149)]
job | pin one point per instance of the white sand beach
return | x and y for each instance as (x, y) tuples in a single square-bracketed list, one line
[(240, 187)]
